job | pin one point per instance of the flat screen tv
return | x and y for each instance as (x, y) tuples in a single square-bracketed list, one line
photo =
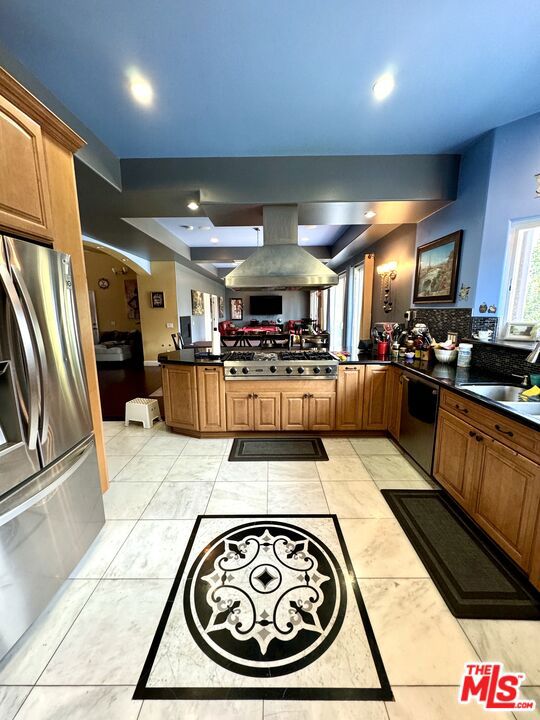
[(265, 305)]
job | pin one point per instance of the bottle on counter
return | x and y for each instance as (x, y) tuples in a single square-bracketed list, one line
[(395, 350), (464, 355)]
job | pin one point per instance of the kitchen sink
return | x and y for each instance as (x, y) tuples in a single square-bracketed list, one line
[(498, 393), (525, 408)]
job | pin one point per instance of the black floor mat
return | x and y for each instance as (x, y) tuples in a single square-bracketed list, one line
[(474, 577), (298, 448)]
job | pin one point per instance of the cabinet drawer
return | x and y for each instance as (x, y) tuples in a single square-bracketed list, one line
[(509, 432)]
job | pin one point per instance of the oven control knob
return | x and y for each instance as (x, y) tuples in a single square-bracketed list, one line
[(288, 370), (301, 371), (245, 371), (328, 370), (316, 370), (233, 371), (273, 368)]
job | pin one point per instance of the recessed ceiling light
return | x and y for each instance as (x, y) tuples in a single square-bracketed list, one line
[(311, 227), (141, 90), (214, 240), (193, 205), (370, 214), (205, 227), (383, 86), (124, 260), (186, 227)]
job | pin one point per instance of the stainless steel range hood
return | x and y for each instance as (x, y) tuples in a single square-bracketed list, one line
[(281, 264)]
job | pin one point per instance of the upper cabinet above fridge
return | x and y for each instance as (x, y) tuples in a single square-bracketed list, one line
[(24, 188)]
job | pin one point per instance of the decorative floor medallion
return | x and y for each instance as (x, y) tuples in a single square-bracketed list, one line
[(265, 607), (265, 599)]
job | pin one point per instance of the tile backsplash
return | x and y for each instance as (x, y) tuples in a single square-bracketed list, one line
[(442, 321), (495, 358)]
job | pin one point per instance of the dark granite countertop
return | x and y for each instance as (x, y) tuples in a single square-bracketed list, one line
[(189, 357), (449, 376)]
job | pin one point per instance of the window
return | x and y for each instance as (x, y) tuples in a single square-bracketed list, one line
[(523, 297), (337, 312), (356, 295), (318, 307)]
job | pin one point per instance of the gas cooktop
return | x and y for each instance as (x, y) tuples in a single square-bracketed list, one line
[(285, 364)]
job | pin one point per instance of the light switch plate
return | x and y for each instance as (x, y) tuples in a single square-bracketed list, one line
[(170, 325)]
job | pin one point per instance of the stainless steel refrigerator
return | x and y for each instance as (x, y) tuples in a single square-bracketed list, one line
[(51, 506)]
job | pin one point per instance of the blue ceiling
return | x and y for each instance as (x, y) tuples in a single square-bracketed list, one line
[(282, 77)]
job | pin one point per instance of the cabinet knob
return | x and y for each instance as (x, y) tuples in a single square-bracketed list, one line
[(255, 395), (306, 395), (472, 433), (479, 438), (461, 409)]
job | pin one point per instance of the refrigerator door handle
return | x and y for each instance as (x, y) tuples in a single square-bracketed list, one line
[(28, 349), (38, 337)]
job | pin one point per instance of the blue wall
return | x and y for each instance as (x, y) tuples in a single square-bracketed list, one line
[(466, 213), (511, 196)]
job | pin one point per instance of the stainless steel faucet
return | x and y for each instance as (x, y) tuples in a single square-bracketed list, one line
[(533, 356)]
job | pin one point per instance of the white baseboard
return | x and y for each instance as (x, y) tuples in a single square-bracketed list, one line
[(151, 363)]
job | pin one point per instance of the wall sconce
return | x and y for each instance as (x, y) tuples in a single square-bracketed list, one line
[(537, 177), (388, 272), (122, 271)]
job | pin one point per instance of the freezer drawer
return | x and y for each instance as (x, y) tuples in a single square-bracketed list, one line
[(45, 529)]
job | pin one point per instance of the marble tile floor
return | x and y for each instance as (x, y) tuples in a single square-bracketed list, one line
[(83, 656)]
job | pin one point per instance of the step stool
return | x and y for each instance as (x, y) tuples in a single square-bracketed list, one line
[(144, 410)]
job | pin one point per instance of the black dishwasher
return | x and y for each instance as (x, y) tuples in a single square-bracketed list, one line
[(420, 400)]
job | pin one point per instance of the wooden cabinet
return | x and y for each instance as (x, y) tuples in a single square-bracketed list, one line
[(295, 411), (24, 187), (239, 411), (393, 401), (248, 411), (302, 411), (350, 388), (374, 403), (507, 498), (456, 458), (180, 396), (211, 399), (497, 485), (267, 411), (322, 411)]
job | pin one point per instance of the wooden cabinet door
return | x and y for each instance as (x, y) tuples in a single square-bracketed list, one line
[(267, 411), (507, 499), (294, 411), (322, 411), (24, 189), (456, 458), (374, 411), (350, 386), (211, 397), (239, 411), (180, 396), (393, 401)]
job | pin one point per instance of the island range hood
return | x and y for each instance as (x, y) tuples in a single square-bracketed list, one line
[(280, 264)]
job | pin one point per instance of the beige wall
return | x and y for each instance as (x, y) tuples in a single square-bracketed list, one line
[(155, 333), (112, 308)]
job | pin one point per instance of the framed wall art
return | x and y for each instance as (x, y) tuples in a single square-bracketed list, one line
[(197, 302), (237, 308), (157, 299), (437, 267)]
